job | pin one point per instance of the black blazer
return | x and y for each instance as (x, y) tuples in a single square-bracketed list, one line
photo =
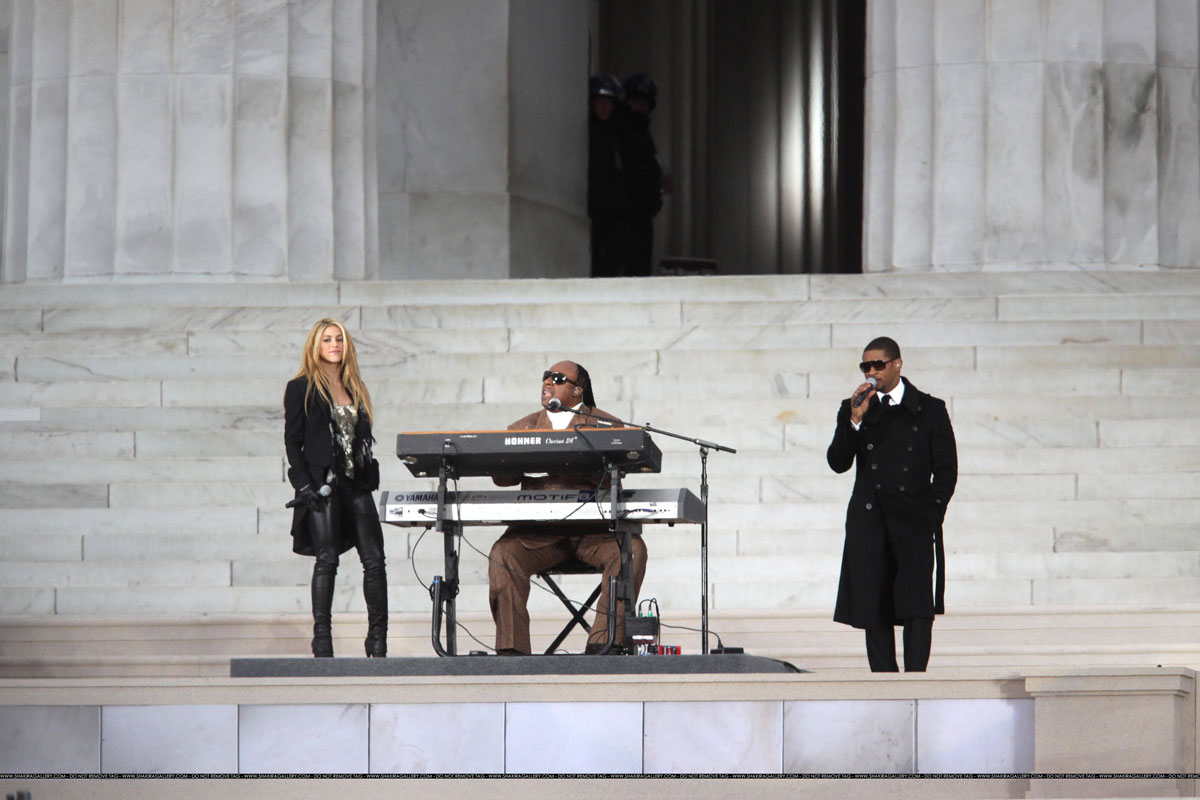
[(308, 438)]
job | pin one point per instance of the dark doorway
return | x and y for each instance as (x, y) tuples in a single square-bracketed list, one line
[(760, 120)]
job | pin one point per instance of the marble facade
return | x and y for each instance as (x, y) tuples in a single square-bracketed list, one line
[(174, 139), (1032, 134)]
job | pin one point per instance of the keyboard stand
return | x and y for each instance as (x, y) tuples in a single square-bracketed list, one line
[(445, 587)]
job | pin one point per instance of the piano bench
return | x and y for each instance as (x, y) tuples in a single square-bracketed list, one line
[(571, 567)]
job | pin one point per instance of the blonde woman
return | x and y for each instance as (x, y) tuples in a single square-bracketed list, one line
[(327, 433)]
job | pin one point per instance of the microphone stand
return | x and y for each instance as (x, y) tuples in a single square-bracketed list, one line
[(705, 446)]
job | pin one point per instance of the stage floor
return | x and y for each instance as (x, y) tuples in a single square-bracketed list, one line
[(724, 663)]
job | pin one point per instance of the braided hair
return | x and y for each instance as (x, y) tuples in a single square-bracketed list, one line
[(585, 382)]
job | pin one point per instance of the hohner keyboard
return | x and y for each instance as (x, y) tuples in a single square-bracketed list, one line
[(514, 506), (469, 453)]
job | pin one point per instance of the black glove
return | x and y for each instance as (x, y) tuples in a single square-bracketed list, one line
[(308, 497)]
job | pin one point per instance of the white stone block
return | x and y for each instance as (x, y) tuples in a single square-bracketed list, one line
[(47, 167), (1126, 537), (53, 495), (849, 736), (1085, 460), (591, 738), (958, 31), (215, 544), (1165, 485), (1015, 202), (686, 338), (1095, 356), (28, 602), (19, 321), (1179, 156), (84, 393), (1014, 30), (310, 162), (914, 28), (1074, 163), (114, 574), (1116, 591), (969, 566), (215, 443), (912, 190), (367, 342), (145, 36), (99, 444), (819, 311), (881, 36), (1130, 31), (516, 316), (260, 180), (47, 547), (20, 414), (189, 522), (320, 739), (1025, 433), (169, 739), (260, 37), (203, 157), (1116, 307), (978, 735), (92, 140), (145, 159), (50, 739), (1184, 332), (118, 419), (959, 107), (1177, 20), (714, 737), (1074, 30), (110, 469), (459, 234), (1130, 161), (1152, 382), (1086, 382), (1168, 433), (198, 494), (994, 333), (437, 738)]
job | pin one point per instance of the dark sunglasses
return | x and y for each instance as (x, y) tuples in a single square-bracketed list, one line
[(557, 378), (878, 366)]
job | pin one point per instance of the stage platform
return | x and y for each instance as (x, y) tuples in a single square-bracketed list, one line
[(507, 665), (1029, 732)]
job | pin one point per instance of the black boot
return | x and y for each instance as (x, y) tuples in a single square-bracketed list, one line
[(375, 593), (322, 603)]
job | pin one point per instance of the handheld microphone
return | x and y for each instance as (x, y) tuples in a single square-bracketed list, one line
[(324, 491), (858, 398)]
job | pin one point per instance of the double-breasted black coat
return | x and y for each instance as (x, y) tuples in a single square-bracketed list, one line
[(907, 466), (308, 437)]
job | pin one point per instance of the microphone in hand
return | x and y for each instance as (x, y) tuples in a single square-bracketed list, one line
[(858, 398), (310, 498)]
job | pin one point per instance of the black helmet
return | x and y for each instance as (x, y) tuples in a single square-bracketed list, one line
[(641, 85), (604, 86)]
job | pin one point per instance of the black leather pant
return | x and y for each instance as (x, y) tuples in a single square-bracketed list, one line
[(367, 535), (881, 646)]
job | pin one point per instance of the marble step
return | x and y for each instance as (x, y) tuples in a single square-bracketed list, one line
[(79, 367), (411, 316), (540, 291), (161, 646)]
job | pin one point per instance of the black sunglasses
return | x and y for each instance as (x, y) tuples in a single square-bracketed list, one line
[(878, 366), (557, 378)]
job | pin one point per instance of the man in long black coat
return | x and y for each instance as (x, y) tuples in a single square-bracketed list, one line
[(893, 570)]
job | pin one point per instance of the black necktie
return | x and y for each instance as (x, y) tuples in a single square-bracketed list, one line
[(887, 399)]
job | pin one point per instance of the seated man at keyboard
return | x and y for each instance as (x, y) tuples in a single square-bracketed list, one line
[(526, 550)]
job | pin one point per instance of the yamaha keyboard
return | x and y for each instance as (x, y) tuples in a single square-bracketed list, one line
[(581, 450), (668, 506)]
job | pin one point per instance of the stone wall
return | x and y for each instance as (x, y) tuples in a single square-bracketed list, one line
[(1032, 134)]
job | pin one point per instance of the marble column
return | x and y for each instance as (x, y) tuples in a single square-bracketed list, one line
[(195, 139), (1032, 134), (483, 138)]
